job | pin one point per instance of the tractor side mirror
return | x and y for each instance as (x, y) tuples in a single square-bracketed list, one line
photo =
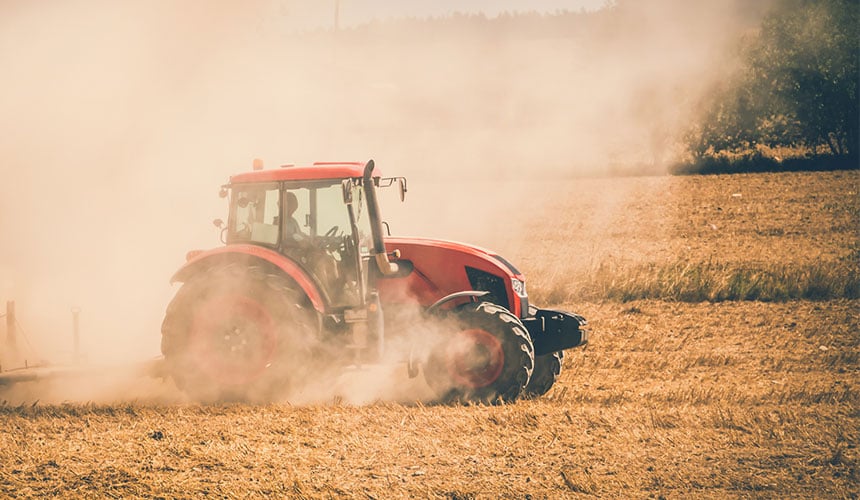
[(402, 186), (218, 223), (223, 192), (346, 185)]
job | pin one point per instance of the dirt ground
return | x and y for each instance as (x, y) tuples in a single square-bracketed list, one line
[(669, 399)]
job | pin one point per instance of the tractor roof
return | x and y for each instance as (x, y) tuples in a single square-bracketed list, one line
[(317, 171)]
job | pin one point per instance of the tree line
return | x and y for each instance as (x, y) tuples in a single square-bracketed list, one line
[(796, 88)]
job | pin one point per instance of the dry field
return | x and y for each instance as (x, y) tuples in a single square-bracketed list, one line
[(748, 236), (673, 398)]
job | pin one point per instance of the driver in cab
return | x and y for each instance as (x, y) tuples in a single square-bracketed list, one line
[(318, 261), (292, 228)]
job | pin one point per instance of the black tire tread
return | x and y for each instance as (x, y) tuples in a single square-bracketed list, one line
[(547, 370), (511, 385)]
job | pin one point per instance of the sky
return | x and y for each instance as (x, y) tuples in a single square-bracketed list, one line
[(308, 14)]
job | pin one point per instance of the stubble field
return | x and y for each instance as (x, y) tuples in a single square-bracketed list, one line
[(674, 397)]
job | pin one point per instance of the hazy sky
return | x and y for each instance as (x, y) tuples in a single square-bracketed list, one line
[(136, 111), (302, 14)]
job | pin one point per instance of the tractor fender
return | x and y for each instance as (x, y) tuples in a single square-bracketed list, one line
[(453, 296), (201, 261)]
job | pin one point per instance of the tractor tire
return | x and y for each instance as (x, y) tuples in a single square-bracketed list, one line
[(229, 335), (485, 356), (547, 369)]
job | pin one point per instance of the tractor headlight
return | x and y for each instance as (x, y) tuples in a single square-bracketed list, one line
[(519, 287)]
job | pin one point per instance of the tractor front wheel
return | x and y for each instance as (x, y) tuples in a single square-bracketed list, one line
[(484, 355), (547, 369)]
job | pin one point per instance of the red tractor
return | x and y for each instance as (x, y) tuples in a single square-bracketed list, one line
[(307, 284)]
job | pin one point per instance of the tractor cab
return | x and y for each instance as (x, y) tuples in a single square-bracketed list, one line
[(317, 216)]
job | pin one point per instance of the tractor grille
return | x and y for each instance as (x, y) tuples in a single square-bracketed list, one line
[(485, 282)]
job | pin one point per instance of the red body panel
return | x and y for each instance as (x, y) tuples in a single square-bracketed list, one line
[(318, 171), (439, 270), (285, 264)]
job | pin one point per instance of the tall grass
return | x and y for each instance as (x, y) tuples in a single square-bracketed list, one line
[(700, 282)]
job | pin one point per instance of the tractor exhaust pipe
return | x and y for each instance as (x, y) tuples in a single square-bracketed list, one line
[(386, 267)]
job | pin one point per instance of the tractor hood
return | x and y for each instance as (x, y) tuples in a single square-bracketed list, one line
[(432, 269)]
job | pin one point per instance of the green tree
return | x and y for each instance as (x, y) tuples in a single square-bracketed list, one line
[(806, 60), (797, 84)]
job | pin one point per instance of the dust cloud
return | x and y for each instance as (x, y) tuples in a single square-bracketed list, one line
[(120, 120)]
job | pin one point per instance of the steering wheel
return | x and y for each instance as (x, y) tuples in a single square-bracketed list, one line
[(330, 242)]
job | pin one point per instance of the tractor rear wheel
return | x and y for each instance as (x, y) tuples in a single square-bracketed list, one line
[(486, 356), (228, 335), (547, 369)]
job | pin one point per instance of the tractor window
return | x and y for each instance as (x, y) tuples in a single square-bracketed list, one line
[(254, 215), (331, 218)]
